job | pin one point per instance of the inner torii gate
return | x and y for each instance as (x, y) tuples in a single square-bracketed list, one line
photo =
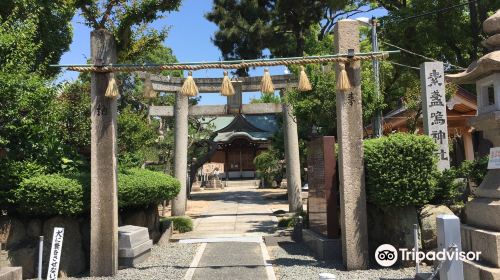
[(234, 106)]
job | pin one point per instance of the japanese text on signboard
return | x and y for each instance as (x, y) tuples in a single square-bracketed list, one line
[(434, 108)]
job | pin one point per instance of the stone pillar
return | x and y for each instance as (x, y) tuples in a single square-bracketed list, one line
[(103, 195), (180, 152), (292, 158), (350, 138), (434, 108)]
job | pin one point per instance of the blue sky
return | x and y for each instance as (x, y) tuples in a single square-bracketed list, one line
[(189, 37)]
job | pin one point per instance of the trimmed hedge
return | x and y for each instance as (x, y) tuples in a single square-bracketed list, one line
[(49, 195), (401, 170), (140, 187), (54, 194)]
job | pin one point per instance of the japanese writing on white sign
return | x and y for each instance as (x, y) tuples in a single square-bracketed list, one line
[(434, 108), (494, 162), (55, 253)]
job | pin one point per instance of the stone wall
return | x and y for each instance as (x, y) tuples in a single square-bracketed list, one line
[(394, 225), (19, 239)]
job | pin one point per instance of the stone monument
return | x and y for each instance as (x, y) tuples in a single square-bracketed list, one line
[(482, 229), (323, 207), (323, 235)]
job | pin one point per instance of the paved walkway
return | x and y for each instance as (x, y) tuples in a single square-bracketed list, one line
[(230, 232)]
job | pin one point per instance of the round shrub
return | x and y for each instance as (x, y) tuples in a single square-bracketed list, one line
[(181, 223), (401, 170), (45, 195), (141, 187)]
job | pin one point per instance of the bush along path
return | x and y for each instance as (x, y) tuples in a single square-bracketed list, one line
[(45, 201)]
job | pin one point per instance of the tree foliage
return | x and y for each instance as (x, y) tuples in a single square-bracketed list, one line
[(34, 34), (129, 22), (248, 27)]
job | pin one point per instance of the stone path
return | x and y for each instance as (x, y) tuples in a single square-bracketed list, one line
[(230, 233)]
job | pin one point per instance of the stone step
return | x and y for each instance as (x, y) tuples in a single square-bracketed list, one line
[(134, 245), (323, 248), (135, 251), (242, 183), (477, 271), (484, 241), (4, 258), (11, 273), (130, 236), (483, 213)]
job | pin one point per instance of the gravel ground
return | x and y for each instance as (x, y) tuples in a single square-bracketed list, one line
[(166, 262), (294, 261)]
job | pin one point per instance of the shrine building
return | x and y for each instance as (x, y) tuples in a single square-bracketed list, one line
[(240, 139), (462, 106)]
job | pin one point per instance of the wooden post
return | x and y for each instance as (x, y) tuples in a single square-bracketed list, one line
[(292, 158), (104, 199), (351, 170), (180, 152), (468, 144)]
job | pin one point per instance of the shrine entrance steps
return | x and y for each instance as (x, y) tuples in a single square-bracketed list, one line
[(241, 183)]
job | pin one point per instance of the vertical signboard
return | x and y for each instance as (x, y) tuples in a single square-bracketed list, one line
[(55, 253), (434, 108)]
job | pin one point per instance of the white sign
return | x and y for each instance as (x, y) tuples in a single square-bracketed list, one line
[(55, 253), (209, 168), (494, 162), (434, 108)]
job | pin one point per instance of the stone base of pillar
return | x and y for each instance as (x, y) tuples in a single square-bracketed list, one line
[(11, 273), (477, 271), (490, 187), (480, 240), (483, 213)]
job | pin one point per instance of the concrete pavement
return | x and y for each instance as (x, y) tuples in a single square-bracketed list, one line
[(231, 231)]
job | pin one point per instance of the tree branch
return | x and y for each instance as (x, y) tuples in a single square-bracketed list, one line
[(89, 17), (107, 12)]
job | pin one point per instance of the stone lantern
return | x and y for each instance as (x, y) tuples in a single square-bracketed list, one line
[(482, 229)]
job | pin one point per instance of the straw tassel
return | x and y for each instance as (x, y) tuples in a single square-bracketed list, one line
[(227, 88), (189, 87), (343, 83), (304, 84), (148, 87), (266, 85), (112, 90)]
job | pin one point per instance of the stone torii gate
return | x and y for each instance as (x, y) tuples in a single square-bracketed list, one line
[(104, 199), (181, 110)]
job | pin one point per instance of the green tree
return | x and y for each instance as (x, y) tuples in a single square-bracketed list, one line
[(248, 27), (34, 34), (129, 22), (452, 36), (29, 131)]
